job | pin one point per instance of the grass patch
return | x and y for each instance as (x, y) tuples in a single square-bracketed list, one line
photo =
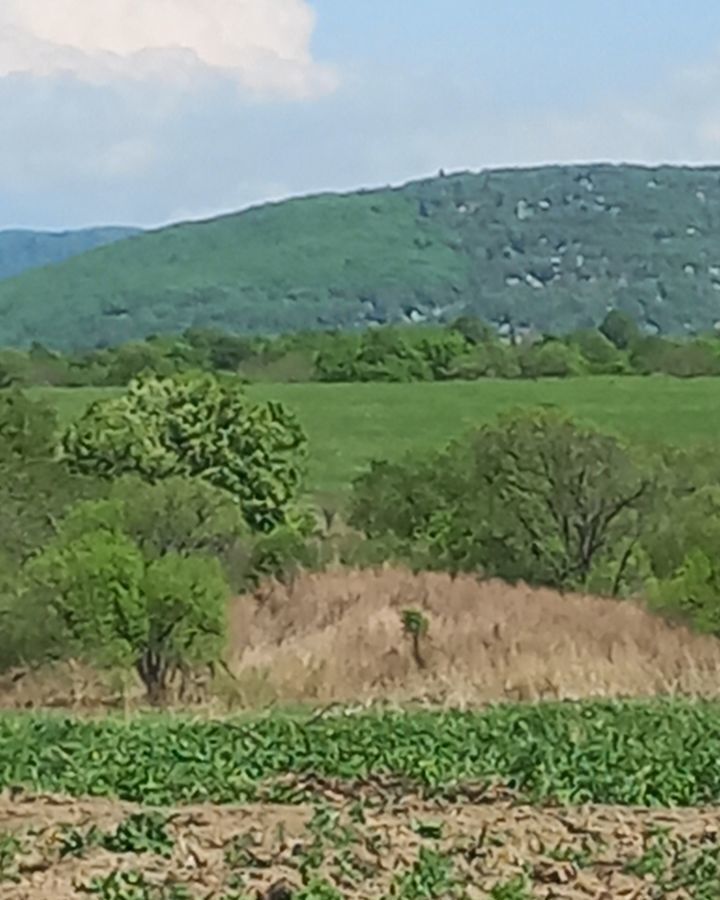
[(349, 424)]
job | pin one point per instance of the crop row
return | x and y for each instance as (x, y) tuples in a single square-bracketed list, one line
[(660, 753)]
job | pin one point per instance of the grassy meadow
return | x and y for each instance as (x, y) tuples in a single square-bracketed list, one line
[(349, 424)]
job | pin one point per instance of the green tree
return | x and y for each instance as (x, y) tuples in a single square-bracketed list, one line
[(177, 515), (691, 593), (134, 359), (117, 607), (15, 368), (534, 496), (335, 361), (473, 330), (28, 428), (443, 353), (620, 329), (35, 489), (693, 359), (601, 355), (224, 352), (386, 354), (550, 359), (200, 426), (651, 354)]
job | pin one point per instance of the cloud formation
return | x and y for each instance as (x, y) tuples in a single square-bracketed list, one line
[(104, 142), (263, 44)]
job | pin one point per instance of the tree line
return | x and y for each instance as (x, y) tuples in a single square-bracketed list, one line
[(468, 349), (127, 532)]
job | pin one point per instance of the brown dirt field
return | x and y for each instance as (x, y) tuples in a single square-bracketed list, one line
[(337, 637), (568, 853)]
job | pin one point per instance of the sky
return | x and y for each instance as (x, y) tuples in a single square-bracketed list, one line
[(145, 112)]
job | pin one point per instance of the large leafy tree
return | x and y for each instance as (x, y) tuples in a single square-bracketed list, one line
[(196, 425), (533, 496), (125, 586), (35, 488)]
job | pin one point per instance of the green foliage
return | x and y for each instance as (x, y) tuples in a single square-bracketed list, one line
[(649, 753), (692, 592), (133, 885), (318, 888), (514, 889), (551, 359), (21, 250), (9, 852), (689, 359), (678, 864), (176, 515), (280, 554), (118, 606), (535, 496), (350, 424), (551, 248), (35, 489), (199, 426), (599, 354), (465, 350), (620, 329), (430, 877), (14, 368), (28, 428), (141, 833)]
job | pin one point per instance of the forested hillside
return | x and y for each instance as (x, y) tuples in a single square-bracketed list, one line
[(21, 250), (550, 248)]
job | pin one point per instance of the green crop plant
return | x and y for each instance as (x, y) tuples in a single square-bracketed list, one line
[(512, 889), (654, 859), (674, 864), (658, 753), (696, 870), (9, 849), (431, 876), (76, 843), (318, 889), (138, 833), (133, 885), (580, 857), (141, 833), (326, 826)]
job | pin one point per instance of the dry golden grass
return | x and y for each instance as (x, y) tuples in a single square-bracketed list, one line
[(337, 637)]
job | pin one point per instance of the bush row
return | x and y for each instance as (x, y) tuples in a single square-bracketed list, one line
[(465, 350)]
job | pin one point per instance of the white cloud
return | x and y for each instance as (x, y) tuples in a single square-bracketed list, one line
[(74, 152), (263, 44)]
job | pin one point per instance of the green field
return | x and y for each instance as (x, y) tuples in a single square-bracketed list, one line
[(350, 424)]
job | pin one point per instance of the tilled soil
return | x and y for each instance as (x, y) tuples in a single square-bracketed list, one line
[(365, 850)]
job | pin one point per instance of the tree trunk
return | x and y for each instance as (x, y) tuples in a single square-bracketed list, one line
[(153, 669)]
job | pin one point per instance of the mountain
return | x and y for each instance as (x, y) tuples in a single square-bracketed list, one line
[(550, 247), (21, 250)]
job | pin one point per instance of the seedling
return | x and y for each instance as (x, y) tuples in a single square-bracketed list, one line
[(416, 627)]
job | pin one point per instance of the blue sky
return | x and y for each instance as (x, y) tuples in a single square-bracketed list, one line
[(112, 114)]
